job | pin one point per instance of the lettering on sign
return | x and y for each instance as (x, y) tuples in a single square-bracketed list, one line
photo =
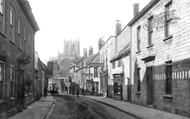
[(158, 19)]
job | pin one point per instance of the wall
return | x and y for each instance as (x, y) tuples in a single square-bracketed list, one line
[(176, 49), (12, 51)]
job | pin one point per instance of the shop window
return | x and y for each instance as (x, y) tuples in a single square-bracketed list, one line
[(95, 71)]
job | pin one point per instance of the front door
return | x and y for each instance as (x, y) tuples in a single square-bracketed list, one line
[(149, 79), (129, 90), (21, 89)]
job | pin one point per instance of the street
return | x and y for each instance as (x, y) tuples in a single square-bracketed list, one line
[(72, 107)]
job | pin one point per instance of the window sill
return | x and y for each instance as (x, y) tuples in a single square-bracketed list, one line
[(138, 93), (168, 96), (3, 34), (138, 52), (13, 42), (167, 38), (26, 95), (12, 98), (2, 101), (149, 46), (20, 48)]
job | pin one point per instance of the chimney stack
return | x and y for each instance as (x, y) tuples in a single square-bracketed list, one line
[(135, 9), (117, 27), (101, 42), (85, 52), (90, 51)]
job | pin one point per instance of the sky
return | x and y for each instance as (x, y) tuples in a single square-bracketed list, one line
[(86, 20)]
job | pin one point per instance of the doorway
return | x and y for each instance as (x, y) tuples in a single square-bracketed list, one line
[(149, 83)]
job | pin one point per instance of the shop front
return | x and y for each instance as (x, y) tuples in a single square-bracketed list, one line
[(117, 86)]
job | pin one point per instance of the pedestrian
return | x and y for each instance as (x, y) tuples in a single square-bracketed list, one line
[(45, 92), (77, 92)]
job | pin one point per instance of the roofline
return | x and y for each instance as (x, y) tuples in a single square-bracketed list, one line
[(25, 6), (143, 11), (80, 60), (106, 42), (122, 30), (93, 58)]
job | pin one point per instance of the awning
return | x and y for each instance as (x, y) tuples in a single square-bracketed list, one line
[(149, 58), (23, 58), (96, 65), (125, 51), (86, 74)]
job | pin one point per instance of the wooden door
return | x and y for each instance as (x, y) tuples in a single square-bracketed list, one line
[(150, 88)]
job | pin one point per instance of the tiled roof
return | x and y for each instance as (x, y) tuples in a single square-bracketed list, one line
[(122, 53)]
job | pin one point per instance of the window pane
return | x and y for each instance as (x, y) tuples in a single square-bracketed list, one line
[(1, 6), (11, 16), (1, 73)]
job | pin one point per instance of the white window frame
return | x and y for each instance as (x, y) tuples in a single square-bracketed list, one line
[(13, 73), (11, 16), (19, 26), (1, 6), (29, 39)]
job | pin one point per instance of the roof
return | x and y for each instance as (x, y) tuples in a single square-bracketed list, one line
[(96, 59), (143, 11), (44, 67), (25, 6), (90, 58), (122, 53)]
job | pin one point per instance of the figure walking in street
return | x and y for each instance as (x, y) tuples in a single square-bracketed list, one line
[(77, 92), (45, 92)]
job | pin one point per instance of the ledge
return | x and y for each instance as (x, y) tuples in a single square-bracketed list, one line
[(167, 38), (20, 48), (149, 46), (13, 42), (138, 52), (2, 101), (138, 93), (26, 95), (12, 98), (3, 34), (168, 96)]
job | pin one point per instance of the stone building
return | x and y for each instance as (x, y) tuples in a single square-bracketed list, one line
[(160, 57), (17, 30), (62, 63)]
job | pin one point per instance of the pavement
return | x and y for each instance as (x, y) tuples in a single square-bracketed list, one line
[(37, 110), (40, 109), (138, 111)]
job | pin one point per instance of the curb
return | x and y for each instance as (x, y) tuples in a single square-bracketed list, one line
[(127, 112), (47, 110)]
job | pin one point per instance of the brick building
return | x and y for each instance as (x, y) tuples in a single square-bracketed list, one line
[(161, 56), (17, 29)]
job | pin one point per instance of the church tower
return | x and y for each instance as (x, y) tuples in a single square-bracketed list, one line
[(72, 47)]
